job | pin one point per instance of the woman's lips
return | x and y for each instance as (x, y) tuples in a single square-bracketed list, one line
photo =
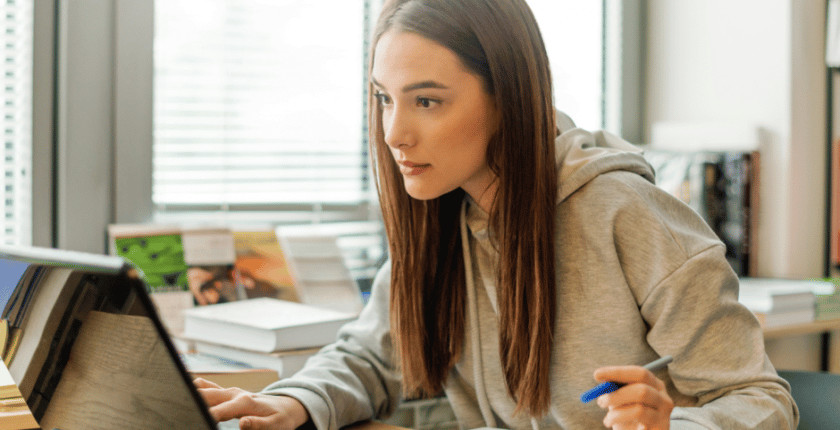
[(413, 169)]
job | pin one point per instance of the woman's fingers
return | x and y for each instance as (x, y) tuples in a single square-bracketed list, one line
[(632, 394), (636, 417), (628, 375), (203, 383), (255, 411), (265, 423), (235, 403), (643, 403), (218, 396)]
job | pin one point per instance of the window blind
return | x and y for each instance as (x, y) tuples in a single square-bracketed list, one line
[(259, 111), (17, 122), (259, 118), (258, 104)]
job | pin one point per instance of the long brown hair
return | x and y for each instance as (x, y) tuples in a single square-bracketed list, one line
[(499, 41)]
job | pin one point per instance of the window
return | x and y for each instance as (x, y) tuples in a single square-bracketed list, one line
[(17, 123), (573, 37), (259, 116), (259, 107)]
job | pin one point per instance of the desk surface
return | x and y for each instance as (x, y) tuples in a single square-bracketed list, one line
[(798, 329), (373, 425)]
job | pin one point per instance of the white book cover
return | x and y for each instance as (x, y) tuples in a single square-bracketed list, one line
[(264, 324), (786, 318), (774, 294), (207, 246), (778, 286), (316, 259), (773, 303), (285, 363)]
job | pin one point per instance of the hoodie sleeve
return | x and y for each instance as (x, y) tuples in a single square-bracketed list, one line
[(688, 297), (720, 348), (352, 379)]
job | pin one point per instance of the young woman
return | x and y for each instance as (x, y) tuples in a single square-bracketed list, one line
[(529, 259)]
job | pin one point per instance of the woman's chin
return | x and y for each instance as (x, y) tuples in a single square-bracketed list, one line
[(425, 193), (422, 193)]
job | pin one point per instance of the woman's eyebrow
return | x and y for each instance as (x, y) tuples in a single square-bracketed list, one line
[(415, 86)]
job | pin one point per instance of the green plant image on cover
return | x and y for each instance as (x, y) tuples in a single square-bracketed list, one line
[(159, 259)]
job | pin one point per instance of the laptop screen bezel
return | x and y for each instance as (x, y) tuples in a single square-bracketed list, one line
[(118, 267)]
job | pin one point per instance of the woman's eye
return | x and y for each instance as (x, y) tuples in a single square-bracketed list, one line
[(382, 98), (426, 102)]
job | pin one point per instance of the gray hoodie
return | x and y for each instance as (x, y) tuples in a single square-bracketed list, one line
[(639, 276)]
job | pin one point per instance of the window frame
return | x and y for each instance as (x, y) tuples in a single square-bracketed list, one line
[(106, 75)]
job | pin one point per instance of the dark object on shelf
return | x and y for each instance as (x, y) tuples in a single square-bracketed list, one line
[(832, 189), (721, 186)]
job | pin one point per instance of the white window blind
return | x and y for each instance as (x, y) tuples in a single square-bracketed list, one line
[(259, 110), (17, 122), (258, 104)]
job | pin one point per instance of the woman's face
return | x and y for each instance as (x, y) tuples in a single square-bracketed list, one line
[(437, 117)]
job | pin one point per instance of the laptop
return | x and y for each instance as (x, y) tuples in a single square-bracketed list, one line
[(86, 348)]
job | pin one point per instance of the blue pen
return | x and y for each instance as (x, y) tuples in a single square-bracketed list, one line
[(609, 387)]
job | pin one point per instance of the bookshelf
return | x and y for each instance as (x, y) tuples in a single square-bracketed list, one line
[(831, 252), (832, 243), (800, 329)]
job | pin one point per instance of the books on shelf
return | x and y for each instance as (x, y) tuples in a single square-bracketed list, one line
[(827, 306), (219, 264), (263, 264), (318, 265), (284, 363), (785, 318), (14, 412), (721, 186), (264, 324), (155, 250), (188, 266), (209, 256), (779, 302), (834, 221)]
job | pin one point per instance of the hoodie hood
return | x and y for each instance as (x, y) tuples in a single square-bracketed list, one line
[(583, 155)]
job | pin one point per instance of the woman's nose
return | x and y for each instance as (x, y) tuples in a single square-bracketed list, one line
[(398, 129)]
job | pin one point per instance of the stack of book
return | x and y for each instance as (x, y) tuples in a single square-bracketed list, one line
[(228, 373), (263, 333), (196, 266), (319, 267), (827, 306), (722, 187), (781, 302), (14, 412)]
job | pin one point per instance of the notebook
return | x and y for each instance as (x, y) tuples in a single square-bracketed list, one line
[(86, 348)]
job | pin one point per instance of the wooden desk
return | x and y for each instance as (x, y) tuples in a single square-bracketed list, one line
[(373, 425), (830, 330), (800, 329)]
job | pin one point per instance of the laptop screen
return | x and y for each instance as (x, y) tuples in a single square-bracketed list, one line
[(85, 348)]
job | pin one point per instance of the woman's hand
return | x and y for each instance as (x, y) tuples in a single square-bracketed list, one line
[(255, 411), (642, 404)]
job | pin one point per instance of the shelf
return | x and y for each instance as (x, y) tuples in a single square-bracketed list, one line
[(800, 329)]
